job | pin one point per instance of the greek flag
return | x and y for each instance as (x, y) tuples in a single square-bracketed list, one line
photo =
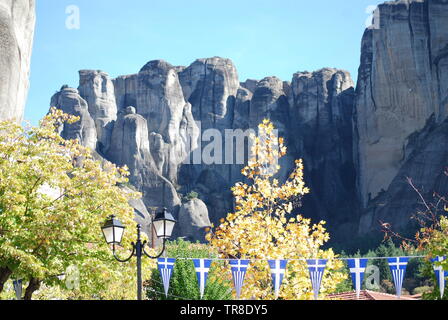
[(202, 267), (316, 268), (398, 268), (357, 269), (440, 274), (239, 269), (166, 267), (278, 269)]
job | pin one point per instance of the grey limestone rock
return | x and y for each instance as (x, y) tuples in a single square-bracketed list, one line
[(402, 85), (17, 19), (98, 90), (358, 146)]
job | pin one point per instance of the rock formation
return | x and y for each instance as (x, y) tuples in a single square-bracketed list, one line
[(401, 97), (358, 145), (17, 18), (158, 136), (98, 91)]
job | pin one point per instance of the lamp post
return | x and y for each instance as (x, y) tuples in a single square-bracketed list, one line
[(113, 230)]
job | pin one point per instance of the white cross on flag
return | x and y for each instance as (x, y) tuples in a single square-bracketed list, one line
[(398, 268), (357, 270), (440, 274), (239, 269), (166, 267), (202, 267), (278, 269), (316, 268)]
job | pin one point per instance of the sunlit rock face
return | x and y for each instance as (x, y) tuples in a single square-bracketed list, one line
[(193, 220), (98, 90), (17, 20), (153, 120)]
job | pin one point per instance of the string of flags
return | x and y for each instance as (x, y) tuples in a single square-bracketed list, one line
[(316, 268)]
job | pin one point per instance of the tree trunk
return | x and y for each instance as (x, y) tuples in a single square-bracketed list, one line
[(33, 286), (5, 273)]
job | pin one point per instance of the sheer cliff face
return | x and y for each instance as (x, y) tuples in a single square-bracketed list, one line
[(402, 96), (17, 18), (153, 120)]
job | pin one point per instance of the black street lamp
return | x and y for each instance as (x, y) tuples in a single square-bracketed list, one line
[(113, 230)]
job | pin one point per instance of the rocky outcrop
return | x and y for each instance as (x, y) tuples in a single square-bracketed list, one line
[(156, 136), (125, 91), (402, 85), (425, 165), (210, 85), (131, 147), (193, 220), (17, 19), (321, 106), (98, 90), (358, 146), (130, 141), (161, 102)]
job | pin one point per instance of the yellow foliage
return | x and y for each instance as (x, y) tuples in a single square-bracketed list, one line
[(261, 227)]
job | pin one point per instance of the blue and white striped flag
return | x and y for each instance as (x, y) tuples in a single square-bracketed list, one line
[(398, 268), (440, 274), (316, 268), (202, 267), (357, 270), (166, 267), (239, 269), (278, 269)]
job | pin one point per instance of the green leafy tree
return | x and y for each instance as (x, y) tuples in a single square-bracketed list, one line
[(54, 197), (184, 284)]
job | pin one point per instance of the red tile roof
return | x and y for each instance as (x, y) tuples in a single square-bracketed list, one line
[(370, 295)]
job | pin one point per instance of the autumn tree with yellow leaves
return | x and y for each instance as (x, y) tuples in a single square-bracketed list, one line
[(263, 226), (54, 198)]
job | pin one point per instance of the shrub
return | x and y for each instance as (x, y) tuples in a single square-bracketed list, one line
[(191, 195)]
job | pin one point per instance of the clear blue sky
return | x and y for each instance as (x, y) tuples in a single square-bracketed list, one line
[(262, 37)]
